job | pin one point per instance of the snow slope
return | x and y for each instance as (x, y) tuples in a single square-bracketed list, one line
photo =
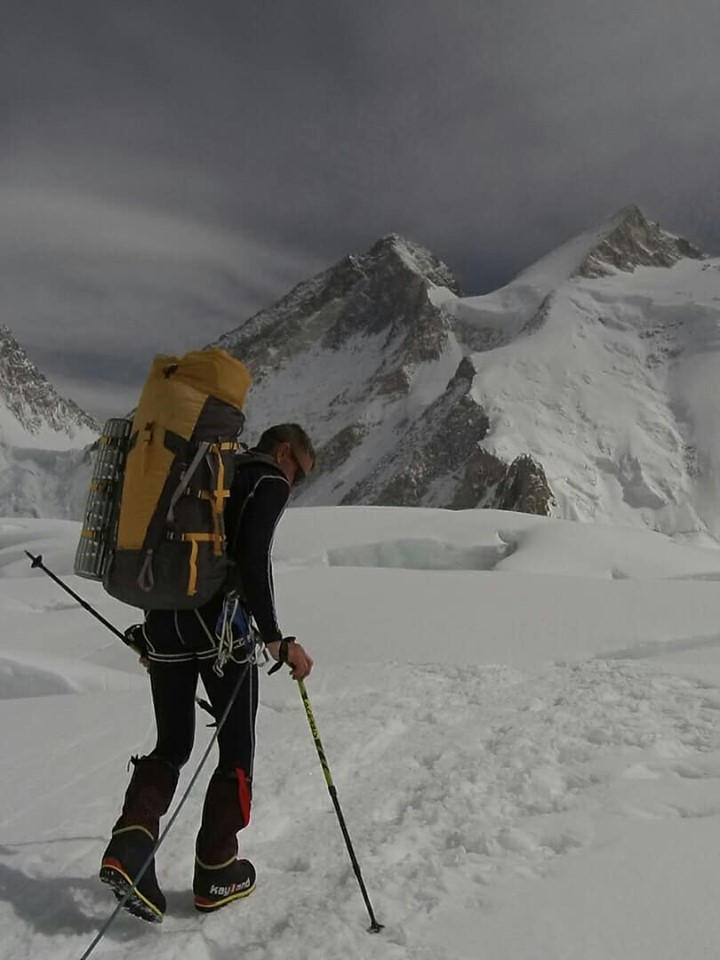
[(522, 717)]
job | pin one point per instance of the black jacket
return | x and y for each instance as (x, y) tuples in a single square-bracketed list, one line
[(258, 497)]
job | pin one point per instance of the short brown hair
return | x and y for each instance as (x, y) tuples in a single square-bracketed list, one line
[(291, 433)]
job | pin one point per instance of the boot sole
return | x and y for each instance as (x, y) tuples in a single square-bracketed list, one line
[(207, 906), (136, 903)]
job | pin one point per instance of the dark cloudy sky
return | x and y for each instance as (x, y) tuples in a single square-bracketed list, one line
[(168, 167)]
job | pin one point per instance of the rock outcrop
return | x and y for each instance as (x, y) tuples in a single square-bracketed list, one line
[(630, 241)]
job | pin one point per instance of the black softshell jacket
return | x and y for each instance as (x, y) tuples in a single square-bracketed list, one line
[(258, 497)]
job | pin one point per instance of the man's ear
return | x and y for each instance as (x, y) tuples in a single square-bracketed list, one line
[(282, 451)]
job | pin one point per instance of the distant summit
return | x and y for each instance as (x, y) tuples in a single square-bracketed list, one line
[(43, 441), (624, 241), (364, 354), (383, 292), (629, 240), (415, 257), (36, 411)]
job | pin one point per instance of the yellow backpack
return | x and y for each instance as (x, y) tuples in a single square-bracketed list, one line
[(163, 519)]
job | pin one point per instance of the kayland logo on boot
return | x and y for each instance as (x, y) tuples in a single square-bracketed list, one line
[(218, 891)]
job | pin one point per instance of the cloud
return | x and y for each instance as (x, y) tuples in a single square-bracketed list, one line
[(167, 169), (102, 397), (82, 225), (95, 287)]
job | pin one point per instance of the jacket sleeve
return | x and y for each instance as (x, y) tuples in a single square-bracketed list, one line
[(252, 548)]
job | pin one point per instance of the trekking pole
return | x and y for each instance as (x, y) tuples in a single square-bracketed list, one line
[(125, 637), (38, 562), (375, 927)]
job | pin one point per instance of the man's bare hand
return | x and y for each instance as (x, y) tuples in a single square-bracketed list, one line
[(298, 659)]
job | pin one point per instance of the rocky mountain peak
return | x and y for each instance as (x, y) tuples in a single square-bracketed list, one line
[(628, 240), (382, 292), (391, 248), (31, 398)]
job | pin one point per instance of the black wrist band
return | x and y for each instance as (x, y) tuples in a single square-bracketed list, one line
[(282, 654)]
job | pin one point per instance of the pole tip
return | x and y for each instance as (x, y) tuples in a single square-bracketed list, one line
[(376, 927)]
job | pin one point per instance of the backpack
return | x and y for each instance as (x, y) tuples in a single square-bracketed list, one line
[(154, 530)]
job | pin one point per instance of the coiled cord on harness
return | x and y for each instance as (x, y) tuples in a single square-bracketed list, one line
[(233, 632)]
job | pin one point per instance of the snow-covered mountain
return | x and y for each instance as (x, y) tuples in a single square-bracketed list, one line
[(366, 356), (601, 362), (43, 463), (585, 388)]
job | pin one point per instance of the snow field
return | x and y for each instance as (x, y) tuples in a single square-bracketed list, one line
[(522, 718)]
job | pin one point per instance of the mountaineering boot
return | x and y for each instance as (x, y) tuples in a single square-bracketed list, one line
[(220, 877), (134, 835), (216, 886), (123, 859)]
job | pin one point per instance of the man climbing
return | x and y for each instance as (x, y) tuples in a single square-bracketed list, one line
[(183, 645)]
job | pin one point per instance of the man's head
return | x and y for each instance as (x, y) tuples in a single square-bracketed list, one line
[(291, 448)]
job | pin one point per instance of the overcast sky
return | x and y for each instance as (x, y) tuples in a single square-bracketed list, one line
[(169, 167)]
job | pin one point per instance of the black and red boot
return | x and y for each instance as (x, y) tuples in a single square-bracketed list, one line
[(216, 886), (122, 861), (220, 878), (134, 835)]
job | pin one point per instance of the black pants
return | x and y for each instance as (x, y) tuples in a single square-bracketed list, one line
[(182, 647)]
